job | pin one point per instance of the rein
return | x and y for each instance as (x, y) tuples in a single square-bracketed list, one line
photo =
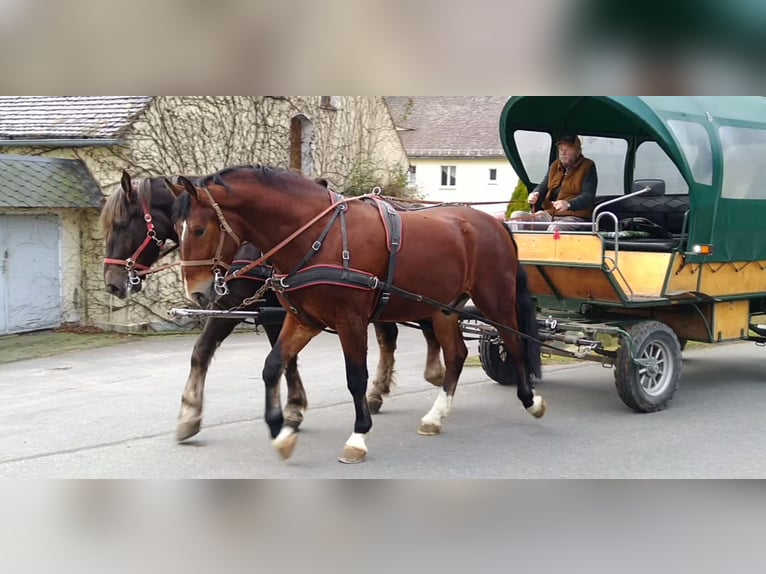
[(268, 255)]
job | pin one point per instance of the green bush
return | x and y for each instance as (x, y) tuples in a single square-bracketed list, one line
[(518, 199), (365, 177)]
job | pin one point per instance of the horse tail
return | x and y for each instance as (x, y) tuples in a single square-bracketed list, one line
[(526, 310)]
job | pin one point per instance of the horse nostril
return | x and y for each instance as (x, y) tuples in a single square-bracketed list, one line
[(112, 289)]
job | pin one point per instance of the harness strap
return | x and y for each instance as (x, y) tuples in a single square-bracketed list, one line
[(324, 275), (317, 246), (393, 224)]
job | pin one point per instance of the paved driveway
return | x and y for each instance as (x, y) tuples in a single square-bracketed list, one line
[(111, 413)]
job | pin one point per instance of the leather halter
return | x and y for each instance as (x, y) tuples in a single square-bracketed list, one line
[(218, 266), (131, 264)]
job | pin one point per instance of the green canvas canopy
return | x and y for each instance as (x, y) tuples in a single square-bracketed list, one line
[(717, 144)]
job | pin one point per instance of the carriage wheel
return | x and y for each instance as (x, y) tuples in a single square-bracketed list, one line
[(495, 360), (649, 387)]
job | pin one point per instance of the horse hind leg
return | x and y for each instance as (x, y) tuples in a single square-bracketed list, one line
[(447, 334), (386, 334), (190, 416), (522, 319), (435, 371)]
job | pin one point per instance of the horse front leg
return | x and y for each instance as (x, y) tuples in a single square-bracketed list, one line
[(292, 339), (353, 339), (190, 417), (386, 334), (447, 334), (297, 402)]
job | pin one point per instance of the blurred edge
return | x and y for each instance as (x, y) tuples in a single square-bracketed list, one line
[(344, 46)]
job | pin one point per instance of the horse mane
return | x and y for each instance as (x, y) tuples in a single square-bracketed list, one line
[(117, 207), (267, 175), (182, 208)]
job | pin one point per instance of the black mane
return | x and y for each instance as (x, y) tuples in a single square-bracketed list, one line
[(182, 208)]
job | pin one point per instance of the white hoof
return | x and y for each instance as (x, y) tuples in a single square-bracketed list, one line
[(355, 450), (285, 443), (538, 407)]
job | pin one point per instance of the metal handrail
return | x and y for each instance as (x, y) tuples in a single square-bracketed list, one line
[(647, 189)]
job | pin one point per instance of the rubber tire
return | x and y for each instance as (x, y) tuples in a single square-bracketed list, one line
[(626, 375), (497, 369)]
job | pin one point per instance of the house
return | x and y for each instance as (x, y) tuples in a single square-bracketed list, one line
[(60, 155), (453, 144)]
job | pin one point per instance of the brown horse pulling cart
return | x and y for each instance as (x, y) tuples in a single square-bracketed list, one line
[(351, 262)]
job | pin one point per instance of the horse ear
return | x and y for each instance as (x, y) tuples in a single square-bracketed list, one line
[(176, 190), (188, 186), (127, 186)]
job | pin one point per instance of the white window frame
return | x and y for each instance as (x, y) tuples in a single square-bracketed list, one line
[(448, 173)]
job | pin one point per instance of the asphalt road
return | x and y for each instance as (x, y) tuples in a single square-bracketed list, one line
[(110, 413)]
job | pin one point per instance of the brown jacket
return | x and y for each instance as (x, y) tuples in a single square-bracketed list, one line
[(571, 186)]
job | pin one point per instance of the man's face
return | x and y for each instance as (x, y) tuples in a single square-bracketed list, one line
[(568, 154)]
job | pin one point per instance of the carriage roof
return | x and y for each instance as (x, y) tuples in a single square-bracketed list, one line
[(717, 144)]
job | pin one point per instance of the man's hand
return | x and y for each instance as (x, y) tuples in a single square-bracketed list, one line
[(561, 205)]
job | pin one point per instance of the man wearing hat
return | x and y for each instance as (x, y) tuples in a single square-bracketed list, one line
[(567, 193)]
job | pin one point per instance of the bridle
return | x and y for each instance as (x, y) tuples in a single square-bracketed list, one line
[(135, 269), (219, 267)]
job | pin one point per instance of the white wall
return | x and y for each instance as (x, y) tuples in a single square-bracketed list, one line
[(473, 183)]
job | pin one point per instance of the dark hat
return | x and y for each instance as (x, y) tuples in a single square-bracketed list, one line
[(570, 139)]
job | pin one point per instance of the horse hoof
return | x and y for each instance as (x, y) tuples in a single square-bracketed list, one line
[(539, 408), (286, 446), (429, 429), (352, 455), (374, 404), (188, 429)]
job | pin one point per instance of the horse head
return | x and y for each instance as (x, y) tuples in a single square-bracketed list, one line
[(206, 258), (136, 222)]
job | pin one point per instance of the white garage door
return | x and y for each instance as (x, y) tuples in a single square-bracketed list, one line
[(30, 270)]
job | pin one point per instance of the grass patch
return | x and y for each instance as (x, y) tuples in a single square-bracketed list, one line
[(50, 343), (474, 361)]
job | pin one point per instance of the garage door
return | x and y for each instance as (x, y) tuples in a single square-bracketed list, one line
[(30, 270)]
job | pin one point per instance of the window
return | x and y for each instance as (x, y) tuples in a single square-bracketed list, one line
[(412, 176), (695, 143), (493, 175), (449, 176), (610, 155), (535, 152), (743, 153), (653, 163), (330, 102)]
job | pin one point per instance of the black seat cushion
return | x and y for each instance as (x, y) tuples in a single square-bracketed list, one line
[(667, 211)]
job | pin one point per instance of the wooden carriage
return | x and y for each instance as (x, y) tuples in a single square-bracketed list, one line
[(675, 249)]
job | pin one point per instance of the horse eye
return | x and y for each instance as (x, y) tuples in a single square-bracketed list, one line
[(200, 233)]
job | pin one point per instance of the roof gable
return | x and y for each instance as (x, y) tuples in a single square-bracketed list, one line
[(449, 126), (46, 182), (68, 117)]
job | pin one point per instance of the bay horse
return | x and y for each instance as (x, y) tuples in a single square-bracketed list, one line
[(344, 263), (142, 209)]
